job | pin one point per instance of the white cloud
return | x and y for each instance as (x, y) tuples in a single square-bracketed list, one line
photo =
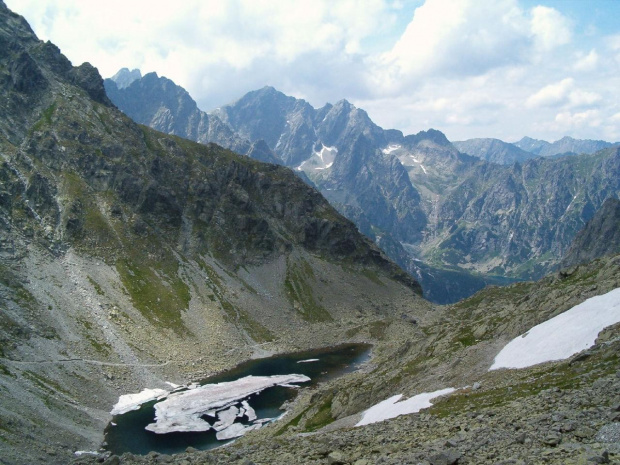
[(562, 93), (553, 94), (568, 120), (587, 62), (550, 28), (453, 37)]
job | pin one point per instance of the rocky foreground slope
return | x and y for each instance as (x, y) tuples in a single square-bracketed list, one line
[(129, 258), (565, 412)]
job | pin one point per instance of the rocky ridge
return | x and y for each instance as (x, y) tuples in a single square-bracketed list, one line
[(452, 211), (493, 150), (564, 146), (161, 104)]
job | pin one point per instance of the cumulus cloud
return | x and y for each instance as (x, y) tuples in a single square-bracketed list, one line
[(568, 120), (453, 37), (587, 62), (550, 28), (562, 93), (553, 94)]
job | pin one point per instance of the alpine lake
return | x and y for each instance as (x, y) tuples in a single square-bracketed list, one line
[(126, 432)]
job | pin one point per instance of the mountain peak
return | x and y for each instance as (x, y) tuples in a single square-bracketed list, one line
[(123, 78), (432, 134)]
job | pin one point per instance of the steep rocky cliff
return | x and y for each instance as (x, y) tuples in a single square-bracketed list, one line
[(129, 257), (453, 212), (598, 238), (161, 104)]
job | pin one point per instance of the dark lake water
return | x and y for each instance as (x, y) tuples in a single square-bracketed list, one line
[(129, 434)]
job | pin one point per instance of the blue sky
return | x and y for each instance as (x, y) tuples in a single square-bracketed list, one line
[(470, 68)]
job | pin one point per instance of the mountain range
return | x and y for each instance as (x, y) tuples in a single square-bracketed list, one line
[(133, 260), (436, 211)]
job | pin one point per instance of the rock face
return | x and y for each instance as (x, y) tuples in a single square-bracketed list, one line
[(161, 104), (599, 237), (129, 257), (494, 151)]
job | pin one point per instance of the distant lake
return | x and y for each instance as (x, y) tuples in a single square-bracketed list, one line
[(319, 365)]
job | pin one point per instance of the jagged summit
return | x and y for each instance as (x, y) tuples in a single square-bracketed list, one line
[(124, 77)]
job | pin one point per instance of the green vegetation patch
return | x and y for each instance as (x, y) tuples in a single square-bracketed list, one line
[(46, 118), (323, 415), (95, 285), (529, 383), (294, 422), (300, 293), (157, 291), (373, 276)]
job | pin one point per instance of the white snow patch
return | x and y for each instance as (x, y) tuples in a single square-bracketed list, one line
[(182, 411), (310, 360), (79, 453), (329, 165), (391, 408), (423, 169), (562, 336), (390, 148), (129, 402)]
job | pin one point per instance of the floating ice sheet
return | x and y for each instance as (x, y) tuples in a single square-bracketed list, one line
[(234, 431), (129, 402), (182, 411)]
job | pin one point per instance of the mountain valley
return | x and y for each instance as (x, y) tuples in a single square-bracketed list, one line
[(135, 260), (442, 215)]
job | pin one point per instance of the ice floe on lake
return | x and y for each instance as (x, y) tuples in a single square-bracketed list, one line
[(184, 411), (392, 408), (129, 402), (563, 335), (310, 360)]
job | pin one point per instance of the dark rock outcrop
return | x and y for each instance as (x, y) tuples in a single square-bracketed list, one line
[(598, 238)]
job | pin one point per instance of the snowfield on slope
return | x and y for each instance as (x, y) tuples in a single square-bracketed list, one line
[(563, 335), (391, 408)]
